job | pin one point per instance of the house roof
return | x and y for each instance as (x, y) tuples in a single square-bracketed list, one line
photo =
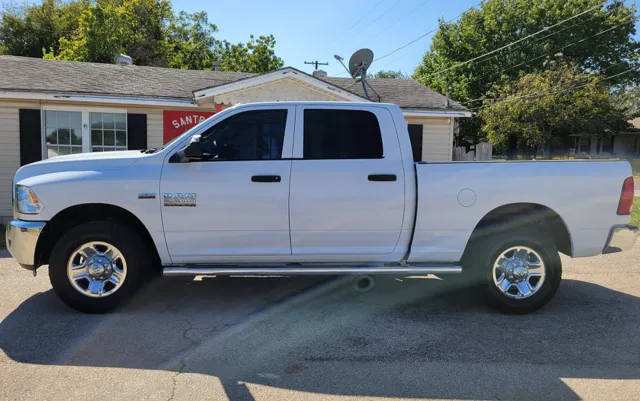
[(26, 74), (406, 93)]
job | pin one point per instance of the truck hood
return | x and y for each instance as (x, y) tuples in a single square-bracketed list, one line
[(119, 155), (96, 161)]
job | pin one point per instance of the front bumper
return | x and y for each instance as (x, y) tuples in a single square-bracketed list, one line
[(621, 238), (22, 238)]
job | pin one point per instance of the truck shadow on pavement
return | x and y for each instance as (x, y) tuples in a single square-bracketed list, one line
[(412, 337)]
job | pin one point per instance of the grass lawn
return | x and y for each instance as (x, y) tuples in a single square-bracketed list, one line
[(635, 213)]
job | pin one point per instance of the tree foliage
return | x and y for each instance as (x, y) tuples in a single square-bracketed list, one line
[(26, 30), (257, 55), (191, 42), (541, 109), (598, 41), (390, 74), (110, 27), (147, 30)]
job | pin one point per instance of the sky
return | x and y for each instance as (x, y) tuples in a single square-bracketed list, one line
[(316, 30)]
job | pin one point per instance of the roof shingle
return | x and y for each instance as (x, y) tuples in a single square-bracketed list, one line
[(38, 75)]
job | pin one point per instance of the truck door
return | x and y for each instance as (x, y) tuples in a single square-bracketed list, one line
[(234, 204), (347, 184)]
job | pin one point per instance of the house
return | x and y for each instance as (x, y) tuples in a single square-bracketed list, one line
[(622, 144), (49, 107)]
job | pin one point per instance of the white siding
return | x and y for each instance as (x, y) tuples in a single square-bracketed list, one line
[(9, 155), (437, 138), (287, 89)]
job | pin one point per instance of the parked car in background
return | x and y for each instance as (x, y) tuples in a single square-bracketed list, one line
[(311, 188)]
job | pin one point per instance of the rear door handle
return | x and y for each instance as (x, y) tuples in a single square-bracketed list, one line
[(266, 178), (382, 177)]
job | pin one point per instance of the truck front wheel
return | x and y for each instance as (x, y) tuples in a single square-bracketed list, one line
[(96, 265), (520, 270)]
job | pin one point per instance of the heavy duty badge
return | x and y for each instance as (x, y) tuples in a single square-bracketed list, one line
[(180, 199)]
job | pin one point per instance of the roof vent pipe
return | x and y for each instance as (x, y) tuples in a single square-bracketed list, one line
[(319, 73), (123, 59)]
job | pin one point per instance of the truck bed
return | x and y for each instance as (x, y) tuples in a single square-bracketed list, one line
[(453, 197)]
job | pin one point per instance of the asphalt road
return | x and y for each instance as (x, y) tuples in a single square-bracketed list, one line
[(306, 338)]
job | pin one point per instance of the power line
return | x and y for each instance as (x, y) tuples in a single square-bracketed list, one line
[(364, 15), (423, 35), (545, 55), (508, 45), (538, 95), (544, 37), (396, 21)]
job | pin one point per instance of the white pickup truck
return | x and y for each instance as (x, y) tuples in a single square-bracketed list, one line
[(311, 188)]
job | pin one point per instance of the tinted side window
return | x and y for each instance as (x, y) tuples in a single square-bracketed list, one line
[(341, 134), (250, 135)]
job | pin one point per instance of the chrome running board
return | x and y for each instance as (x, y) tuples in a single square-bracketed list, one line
[(175, 271)]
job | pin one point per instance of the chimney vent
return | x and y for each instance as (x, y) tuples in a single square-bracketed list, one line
[(319, 73), (123, 59)]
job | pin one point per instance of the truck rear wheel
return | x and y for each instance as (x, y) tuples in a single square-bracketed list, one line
[(520, 270), (97, 265)]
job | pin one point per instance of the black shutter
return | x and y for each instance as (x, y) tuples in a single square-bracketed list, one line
[(137, 131), (30, 136), (415, 135)]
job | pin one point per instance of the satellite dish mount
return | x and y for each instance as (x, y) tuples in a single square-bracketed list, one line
[(359, 63)]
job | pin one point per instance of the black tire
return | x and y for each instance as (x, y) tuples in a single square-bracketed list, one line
[(125, 239), (484, 253)]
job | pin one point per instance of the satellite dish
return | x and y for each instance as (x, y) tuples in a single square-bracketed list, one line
[(360, 62)]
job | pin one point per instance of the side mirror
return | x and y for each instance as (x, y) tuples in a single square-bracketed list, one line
[(192, 152)]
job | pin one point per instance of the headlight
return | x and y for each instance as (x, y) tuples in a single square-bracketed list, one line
[(27, 200)]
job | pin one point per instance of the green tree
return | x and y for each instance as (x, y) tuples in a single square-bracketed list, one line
[(257, 55), (26, 30), (628, 98), (190, 41), (110, 27), (390, 74), (147, 30), (601, 40), (541, 109)]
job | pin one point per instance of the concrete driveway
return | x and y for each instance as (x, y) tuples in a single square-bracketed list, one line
[(306, 338)]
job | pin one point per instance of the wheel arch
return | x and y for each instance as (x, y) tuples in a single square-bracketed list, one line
[(81, 213), (516, 215)]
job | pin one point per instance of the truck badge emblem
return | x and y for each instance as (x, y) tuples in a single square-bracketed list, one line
[(180, 199)]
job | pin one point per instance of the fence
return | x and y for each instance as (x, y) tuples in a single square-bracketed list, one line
[(483, 151)]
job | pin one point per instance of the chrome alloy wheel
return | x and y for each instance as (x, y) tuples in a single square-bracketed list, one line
[(97, 269), (518, 272)]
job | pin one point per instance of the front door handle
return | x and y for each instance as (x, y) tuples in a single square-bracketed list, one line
[(382, 177), (266, 178)]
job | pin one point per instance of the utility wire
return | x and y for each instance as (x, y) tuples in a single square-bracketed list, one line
[(423, 35), (544, 37), (508, 45), (538, 95), (397, 20), (545, 55)]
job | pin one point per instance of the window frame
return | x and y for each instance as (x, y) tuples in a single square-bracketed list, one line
[(86, 123), (287, 144), (382, 115), (284, 133)]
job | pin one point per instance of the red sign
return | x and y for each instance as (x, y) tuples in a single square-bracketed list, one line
[(175, 122)]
